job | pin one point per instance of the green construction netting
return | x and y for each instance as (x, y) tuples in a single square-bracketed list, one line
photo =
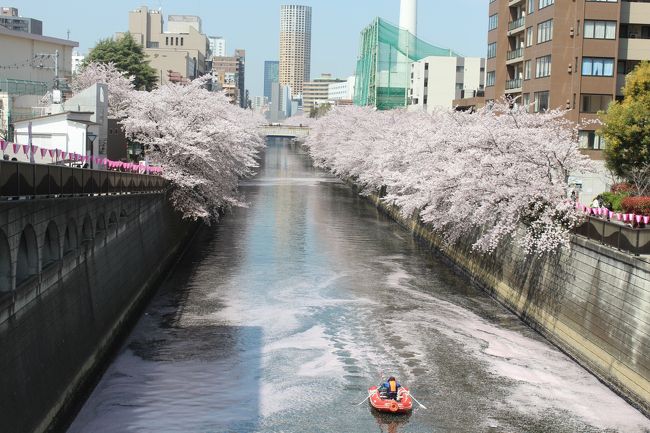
[(383, 67)]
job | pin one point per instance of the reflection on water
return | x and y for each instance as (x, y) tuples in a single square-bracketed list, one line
[(280, 317)]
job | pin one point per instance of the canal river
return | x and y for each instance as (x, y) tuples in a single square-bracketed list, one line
[(281, 316)]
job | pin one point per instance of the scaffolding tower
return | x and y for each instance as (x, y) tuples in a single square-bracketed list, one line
[(383, 71)]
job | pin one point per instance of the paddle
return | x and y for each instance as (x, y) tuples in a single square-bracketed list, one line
[(370, 394), (414, 399)]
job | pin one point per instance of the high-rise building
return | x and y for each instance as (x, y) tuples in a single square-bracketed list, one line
[(217, 46), (271, 75), (590, 45), (316, 92), (9, 18), (295, 46), (179, 53)]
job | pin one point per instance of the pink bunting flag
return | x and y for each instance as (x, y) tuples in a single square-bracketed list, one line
[(646, 219), (26, 149), (52, 152), (624, 217), (43, 152), (64, 155), (630, 217), (3, 145), (34, 149), (638, 218), (599, 211), (610, 214), (15, 146), (84, 158), (618, 216)]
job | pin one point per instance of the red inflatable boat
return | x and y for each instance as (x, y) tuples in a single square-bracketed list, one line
[(379, 401)]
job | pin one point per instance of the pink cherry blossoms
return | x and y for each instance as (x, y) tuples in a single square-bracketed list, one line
[(500, 173), (203, 143)]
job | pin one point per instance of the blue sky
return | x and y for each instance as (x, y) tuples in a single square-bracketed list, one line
[(254, 25)]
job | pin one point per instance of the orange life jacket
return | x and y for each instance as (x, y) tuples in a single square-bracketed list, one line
[(393, 385)]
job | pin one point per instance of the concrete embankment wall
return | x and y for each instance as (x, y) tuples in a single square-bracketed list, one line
[(591, 301), (58, 326)]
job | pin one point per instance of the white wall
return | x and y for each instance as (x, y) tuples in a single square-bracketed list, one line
[(51, 133)]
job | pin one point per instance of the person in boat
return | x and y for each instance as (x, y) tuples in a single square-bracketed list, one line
[(391, 386)]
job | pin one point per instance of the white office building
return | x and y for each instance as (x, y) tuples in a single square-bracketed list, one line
[(217, 46), (343, 90), (436, 81)]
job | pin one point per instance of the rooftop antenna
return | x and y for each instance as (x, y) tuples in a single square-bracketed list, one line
[(68, 34)]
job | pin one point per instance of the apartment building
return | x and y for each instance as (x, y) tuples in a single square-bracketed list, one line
[(565, 54)]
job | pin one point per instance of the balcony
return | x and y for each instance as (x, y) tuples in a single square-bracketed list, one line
[(633, 48), (514, 86), (515, 56), (516, 26), (514, 2)]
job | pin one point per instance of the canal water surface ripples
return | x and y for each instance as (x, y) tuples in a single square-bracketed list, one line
[(279, 318)]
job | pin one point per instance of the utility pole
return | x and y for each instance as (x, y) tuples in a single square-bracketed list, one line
[(55, 56)]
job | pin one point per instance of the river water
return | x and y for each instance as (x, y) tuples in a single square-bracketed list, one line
[(282, 315)]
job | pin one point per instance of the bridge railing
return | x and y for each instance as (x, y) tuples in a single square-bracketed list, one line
[(20, 179), (624, 238)]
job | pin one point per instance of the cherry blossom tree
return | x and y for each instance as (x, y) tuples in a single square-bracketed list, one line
[(499, 172), (120, 87), (204, 144)]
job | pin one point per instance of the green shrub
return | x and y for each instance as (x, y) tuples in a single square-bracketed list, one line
[(612, 200)]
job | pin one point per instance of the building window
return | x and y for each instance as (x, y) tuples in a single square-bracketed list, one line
[(590, 140), (529, 36), (531, 7), (545, 3), (543, 67), (181, 42), (166, 40), (492, 23), (526, 101), (527, 70), (426, 66), (594, 103), (600, 29), (597, 67), (544, 31), (490, 78), (176, 40), (492, 50), (541, 101)]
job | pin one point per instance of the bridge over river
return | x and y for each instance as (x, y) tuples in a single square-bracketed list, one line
[(279, 317)]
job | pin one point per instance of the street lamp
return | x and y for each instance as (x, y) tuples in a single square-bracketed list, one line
[(91, 138)]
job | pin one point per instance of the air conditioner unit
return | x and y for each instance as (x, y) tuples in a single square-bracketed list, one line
[(632, 35), (571, 32)]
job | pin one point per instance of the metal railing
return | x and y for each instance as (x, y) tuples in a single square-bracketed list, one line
[(20, 179), (512, 25), (514, 84), (23, 87), (624, 238), (514, 54)]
